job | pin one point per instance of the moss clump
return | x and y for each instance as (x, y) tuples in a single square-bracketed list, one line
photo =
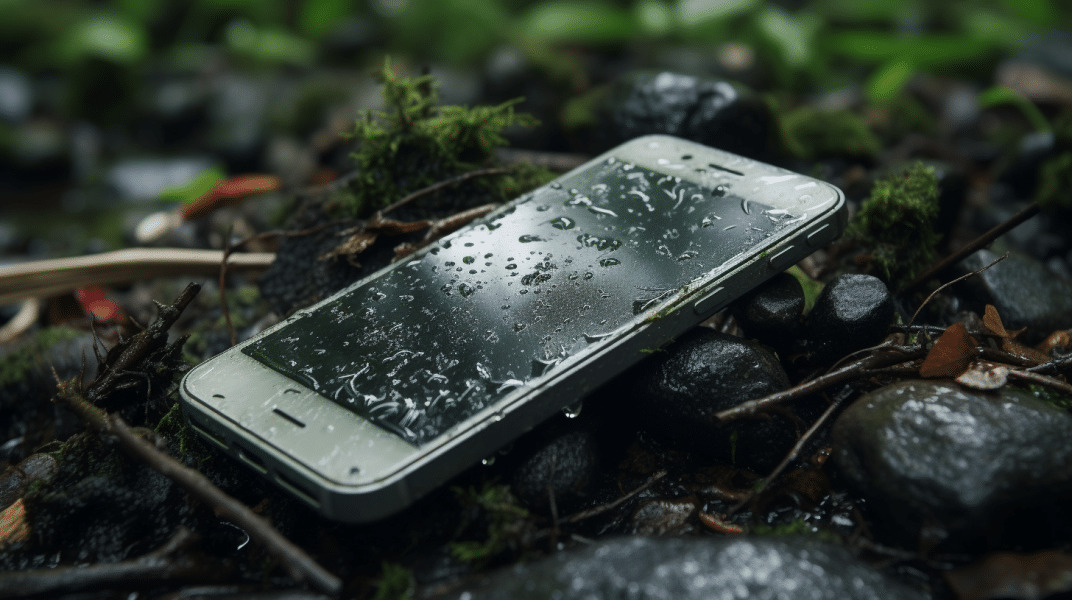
[(809, 132), (506, 523), (415, 142), (897, 224), (16, 367)]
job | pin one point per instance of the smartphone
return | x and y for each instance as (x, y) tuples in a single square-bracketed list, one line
[(371, 398)]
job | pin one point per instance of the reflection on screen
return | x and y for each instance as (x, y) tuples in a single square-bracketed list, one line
[(504, 303)]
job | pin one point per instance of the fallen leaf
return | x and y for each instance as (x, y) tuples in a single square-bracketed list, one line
[(992, 321), (234, 188), (984, 376), (1025, 352), (13, 525), (1046, 574), (1060, 339), (951, 354)]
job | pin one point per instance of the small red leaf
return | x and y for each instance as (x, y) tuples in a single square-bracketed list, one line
[(951, 354), (234, 188), (99, 304)]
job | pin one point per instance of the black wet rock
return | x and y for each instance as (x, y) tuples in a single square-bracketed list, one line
[(852, 312), (774, 312), (678, 393), (705, 568), (16, 478), (1025, 293), (714, 112), (565, 467), (939, 463)]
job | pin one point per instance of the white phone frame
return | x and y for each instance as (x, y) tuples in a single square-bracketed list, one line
[(352, 470)]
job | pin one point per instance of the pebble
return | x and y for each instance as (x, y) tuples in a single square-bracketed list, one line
[(1025, 293), (16, 96), (774, 312), (759, 568), (938, 463), (852, 312), (678, 393), (714, 112), (565, 467)]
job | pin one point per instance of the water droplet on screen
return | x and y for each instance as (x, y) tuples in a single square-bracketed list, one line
[(563, 223), (466, 289), (609, 262), (469, 260), (528, 238), (519, 326), (588, 275), (555, 185)]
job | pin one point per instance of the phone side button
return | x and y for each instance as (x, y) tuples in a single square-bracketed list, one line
[(783, 259), (708, 304), (821, 236)]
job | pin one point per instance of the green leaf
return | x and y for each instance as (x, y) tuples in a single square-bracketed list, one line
[(886, 83), (584, 22), (1002, 95), (318, 17), (812, 288), (924, 50), (105, 37), (270, 46), (1037, 12), (792, 35), (699, 13), (195, 188)]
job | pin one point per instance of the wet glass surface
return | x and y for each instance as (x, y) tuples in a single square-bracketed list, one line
[(508, 301)]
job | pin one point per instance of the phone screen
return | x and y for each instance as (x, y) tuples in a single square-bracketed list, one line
[(509, 301)]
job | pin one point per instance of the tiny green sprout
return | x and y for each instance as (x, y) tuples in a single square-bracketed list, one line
[(416, 142), (396, 583), (652, 350), (811, 133), (897, 224)]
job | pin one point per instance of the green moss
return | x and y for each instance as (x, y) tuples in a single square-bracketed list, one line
[(416, 142), (396, 583), (897, 224), (505, 518), (173, 426), (810, 133), (795, 528), (1051, 396), (16, 367)]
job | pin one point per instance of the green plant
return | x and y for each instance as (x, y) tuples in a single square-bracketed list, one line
[(896, 224), (506, 522), (416, 142), (396, 583)]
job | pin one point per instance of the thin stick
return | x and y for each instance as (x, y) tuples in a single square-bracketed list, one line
[(1046, 380), (42, 278), (161, 566), (789, 458), (1054, 366), (300, 564), (949, 283), (857, 370), (598, 510), (223, 287), (435, 187), (983, 240)]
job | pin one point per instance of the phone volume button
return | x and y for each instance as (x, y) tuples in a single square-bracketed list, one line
[(821, 236), (708, 304), (783, 259)]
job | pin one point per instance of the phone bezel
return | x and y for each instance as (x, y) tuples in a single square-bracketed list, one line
[(250, 409)]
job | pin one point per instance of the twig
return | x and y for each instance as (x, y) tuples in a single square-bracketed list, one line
[(223, 287), (23, 320), (598, 510), (1054, 366), (435, 187), (42, 278), (300, 565), (949, 283), (1046, 380), (143, 342), (857, 370), (163, 565), (789, 458), (983, 240)]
